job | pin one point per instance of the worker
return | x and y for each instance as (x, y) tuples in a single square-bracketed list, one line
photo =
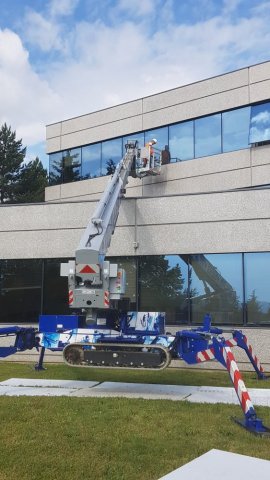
[(151, 152), (165, 155)]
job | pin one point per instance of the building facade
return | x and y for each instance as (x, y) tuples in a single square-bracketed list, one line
[(193, 240)]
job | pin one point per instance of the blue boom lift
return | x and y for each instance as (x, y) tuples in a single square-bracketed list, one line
[(102, 334)]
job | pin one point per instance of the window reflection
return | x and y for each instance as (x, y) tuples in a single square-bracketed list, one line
[(91, 161), (235, 129), (181, 141), (260, 123), (56, 168), (72, 165), (160, 134), (257, 281), (162, 285), (20, 290), (208, 135), (55, 290), (137, 136), (216, 287), (111, 155)]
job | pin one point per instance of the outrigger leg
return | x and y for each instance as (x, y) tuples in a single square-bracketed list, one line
[(251, 422), (240, 340)]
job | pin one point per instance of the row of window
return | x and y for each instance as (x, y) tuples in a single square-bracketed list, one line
[(233, 288), (214, 134)]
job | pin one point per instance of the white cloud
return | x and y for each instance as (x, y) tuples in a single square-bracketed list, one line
[(62, 7), (26, 100), (138, 7), (42, 33)]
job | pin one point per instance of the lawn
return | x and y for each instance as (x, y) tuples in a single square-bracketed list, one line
[(116, 439)]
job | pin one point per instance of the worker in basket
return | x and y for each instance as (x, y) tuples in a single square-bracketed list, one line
[(151, 151)]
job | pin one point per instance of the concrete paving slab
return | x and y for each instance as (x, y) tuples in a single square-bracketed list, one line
[(224, 466), (38, 392), (139, 390), (32, 382)]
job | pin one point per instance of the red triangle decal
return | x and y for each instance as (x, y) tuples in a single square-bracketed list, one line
[(87, 269)]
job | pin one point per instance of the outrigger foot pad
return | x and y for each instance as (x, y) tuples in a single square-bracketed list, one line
[(253, 425)]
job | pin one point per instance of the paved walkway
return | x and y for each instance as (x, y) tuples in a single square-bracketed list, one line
[(74, 388)]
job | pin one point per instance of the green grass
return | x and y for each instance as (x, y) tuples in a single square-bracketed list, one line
[(112, 438), (169, 376)]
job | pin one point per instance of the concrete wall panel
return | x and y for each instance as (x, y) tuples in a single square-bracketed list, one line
[(260, 155), (53, 130), (206, 183), (102, 117), (52, 193), (258, 73), (196, 90), (206, 237), (197, 108), (101, 132), (260, 91), (53, 144), (261, 175)]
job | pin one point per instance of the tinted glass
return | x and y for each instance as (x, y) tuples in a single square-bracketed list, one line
[(55, 295), (137, 136), (181, 141), (162, 283), (160, 134), (111, 155), (235, 129), (56, 168), (91, 161), (208, 135), (257, 281), (260, 123), (72, 165), (216, 287), (20, 290)]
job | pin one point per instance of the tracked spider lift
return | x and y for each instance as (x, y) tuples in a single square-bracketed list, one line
[(101, 332)]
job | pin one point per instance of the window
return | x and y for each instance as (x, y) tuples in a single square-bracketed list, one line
[(111, 155), (56, 168), (208, 136), (235, 129), (55, 291), (216, 287), (260, 123), (181, 141), (257, 281), (72, 165), (91, 161), (20, 290), (137, 136), (162, 284), (160, 134)]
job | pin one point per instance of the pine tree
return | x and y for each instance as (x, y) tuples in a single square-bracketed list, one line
[(32, 182), (12, 155), (19, 182)]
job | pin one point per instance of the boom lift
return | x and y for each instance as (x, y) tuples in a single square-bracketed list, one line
[(102, 334)]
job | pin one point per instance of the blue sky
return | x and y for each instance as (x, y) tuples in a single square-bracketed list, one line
[(63, 58)]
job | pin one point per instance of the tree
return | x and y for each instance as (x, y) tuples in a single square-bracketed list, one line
[(12, 155), (19, 182), (110, 165), (32, 182)]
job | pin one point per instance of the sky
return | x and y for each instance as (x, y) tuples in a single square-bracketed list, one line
[(64, 58)]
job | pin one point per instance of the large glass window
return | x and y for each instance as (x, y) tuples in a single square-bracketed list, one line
[(216, 287), (20, 290), (181, 141), (162, 283), (160, 134), (137, 136), (208, 135), (235, 129), (111, 155), (260, 123), (55, 292), (91, 161), (56, 168), (257, 287), (72, 165)]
